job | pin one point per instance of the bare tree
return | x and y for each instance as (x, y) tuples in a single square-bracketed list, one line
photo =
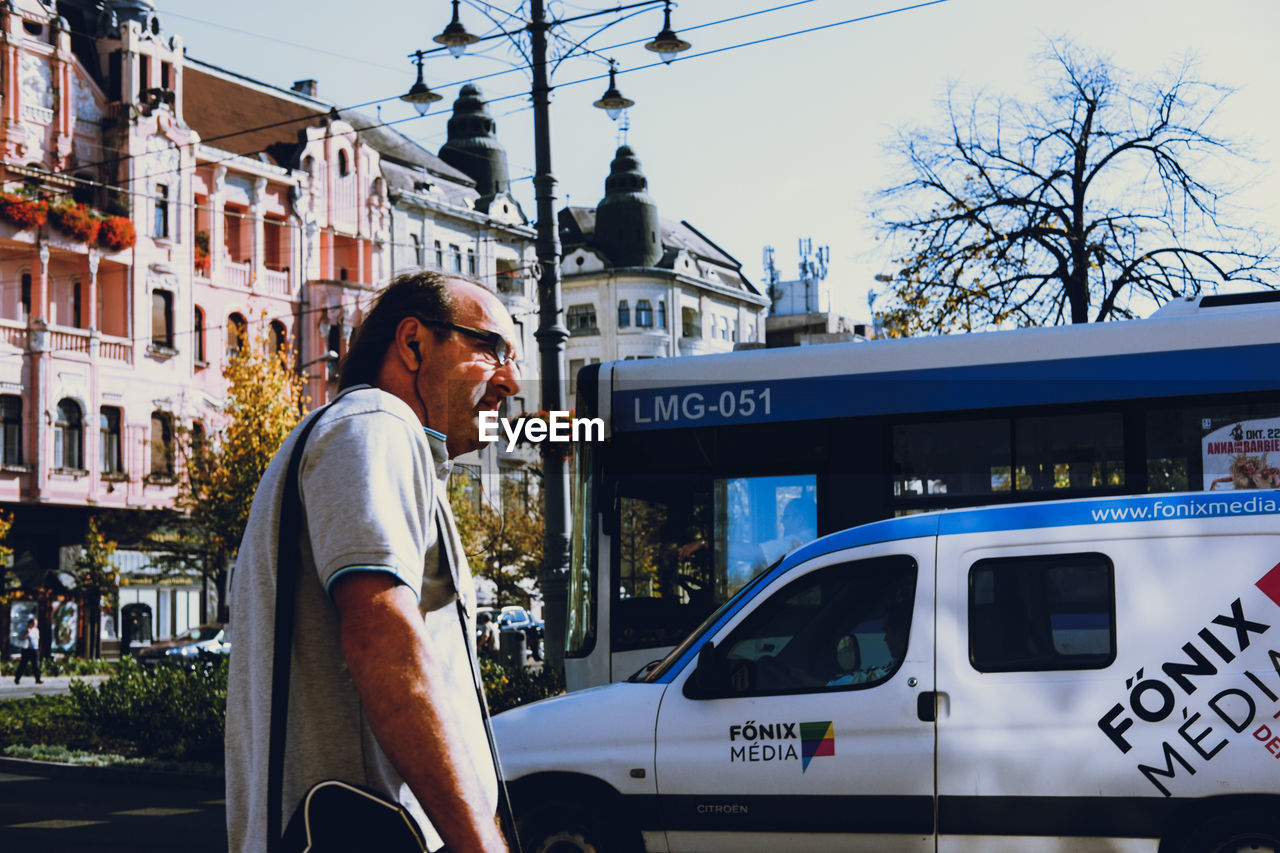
[(1100, 201)]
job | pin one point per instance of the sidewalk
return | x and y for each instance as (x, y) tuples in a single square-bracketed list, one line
[(52, 685)]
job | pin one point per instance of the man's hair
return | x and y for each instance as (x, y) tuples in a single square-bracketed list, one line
[(424, 294)]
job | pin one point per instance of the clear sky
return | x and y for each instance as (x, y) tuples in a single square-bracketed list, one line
[(765, 143)]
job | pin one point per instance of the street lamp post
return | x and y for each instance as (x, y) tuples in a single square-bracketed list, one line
[(553, 576)]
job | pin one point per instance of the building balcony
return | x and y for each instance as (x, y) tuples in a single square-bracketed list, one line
[(234, 274), (276, 282)]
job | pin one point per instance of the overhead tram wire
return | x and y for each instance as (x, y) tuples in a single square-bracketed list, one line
[(519, 95), (472, 79)]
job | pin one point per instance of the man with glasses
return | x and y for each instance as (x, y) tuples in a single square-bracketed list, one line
[(382, 688)]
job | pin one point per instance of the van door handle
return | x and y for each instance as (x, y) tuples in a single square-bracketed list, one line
[(927, 706)]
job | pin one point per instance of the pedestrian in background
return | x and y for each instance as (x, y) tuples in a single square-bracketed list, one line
[(30, 648)]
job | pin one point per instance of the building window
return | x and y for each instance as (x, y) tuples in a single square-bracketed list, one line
[(77, 300), (197, 334), (26, 295), (455, 258), (162, 319), (471, 261), (644, 314), (334, 343), (161, 444), (662, 314), (417, 249), (237, 332), (624, 314), (109, 440), (279, 338), (344, 167), (691, 322), (11, 419), (581, 319), (439, 255), (68, 434), (161, 226), (510, 279)]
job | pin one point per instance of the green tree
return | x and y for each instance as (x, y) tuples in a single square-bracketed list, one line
[(1096, 201), (97, 577), (504, 546), (222, 467)]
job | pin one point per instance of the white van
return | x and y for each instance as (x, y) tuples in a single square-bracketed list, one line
[(1096, 675)]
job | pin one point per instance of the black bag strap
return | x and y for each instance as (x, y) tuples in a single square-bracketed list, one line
[(286, 573)]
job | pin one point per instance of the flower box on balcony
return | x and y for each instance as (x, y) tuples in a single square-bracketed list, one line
[(76, 221), (23, 211), (117, 233)]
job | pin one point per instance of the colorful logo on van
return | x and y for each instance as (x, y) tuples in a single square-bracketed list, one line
[(754, 741), (816, 739)]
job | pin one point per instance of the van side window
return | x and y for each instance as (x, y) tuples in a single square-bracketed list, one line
[(844, 627), (1042, 613)]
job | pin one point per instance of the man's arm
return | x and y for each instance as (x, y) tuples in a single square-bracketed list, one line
[(399, 678)]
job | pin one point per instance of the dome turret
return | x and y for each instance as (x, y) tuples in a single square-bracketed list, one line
[(627, 228), (473, 146)]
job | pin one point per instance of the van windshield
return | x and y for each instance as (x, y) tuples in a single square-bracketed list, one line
[(711, 621)]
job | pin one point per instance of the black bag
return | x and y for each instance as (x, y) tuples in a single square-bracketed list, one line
[(338, 817)]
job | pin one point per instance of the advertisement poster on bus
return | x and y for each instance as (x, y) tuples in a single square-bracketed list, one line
[(1243, 455)]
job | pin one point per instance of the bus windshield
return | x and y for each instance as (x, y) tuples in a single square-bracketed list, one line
[(747, 589), (686, 546)]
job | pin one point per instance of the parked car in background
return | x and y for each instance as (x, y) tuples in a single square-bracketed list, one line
[(202, 639), (516, 618)]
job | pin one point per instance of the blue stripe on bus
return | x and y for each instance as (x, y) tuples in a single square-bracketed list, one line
[(1133, 508), (1098, 378)]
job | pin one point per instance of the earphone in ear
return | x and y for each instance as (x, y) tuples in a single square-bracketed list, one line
[(416, 347)]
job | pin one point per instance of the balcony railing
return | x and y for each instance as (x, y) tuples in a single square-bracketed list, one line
[(63, 342), (234, 274), (276, 282), (119, 349), (13, 333)]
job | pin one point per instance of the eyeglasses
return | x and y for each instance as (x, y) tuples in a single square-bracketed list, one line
[(498, 344)]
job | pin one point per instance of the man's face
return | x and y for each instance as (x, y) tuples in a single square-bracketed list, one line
[(461, 376)]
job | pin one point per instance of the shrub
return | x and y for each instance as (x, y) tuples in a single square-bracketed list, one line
[(44, 720), (178, 709), (76, 221), (23, 211), (116, 233), (505, 688)]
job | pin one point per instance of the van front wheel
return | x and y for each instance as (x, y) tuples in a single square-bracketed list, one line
[(1239, 832), (560, 827)]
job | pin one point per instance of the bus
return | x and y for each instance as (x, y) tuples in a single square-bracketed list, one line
[(712, 468)]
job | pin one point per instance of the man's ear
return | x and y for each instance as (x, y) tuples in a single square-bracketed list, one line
[(406, 342)]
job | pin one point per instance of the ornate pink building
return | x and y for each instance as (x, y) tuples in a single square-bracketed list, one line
[(252, 209)]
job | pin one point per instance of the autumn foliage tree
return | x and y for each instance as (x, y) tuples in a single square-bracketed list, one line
[(504, 546), (1097, 201), (222, 467), (96, 576)]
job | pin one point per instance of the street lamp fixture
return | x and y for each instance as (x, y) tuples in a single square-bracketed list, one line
[(419, 95), (612, 101), (455, 36), (667, 44)]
